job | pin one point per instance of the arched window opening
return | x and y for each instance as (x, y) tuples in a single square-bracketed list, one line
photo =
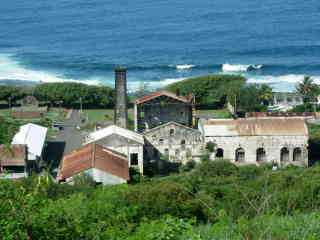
[(297, 155), (261, 155), (240, 155), (161, 141), (171, 132), (284, 155), (219, 153)]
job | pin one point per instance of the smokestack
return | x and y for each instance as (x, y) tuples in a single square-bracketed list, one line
[(121, 110)]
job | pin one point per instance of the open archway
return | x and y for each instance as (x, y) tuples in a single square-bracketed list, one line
[(297, 155), (260, 155), (219, 153), (240, 155), (284, 155)]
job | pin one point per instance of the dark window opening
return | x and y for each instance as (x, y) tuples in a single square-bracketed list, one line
[(219, 153), (171, 132), (297, 155), (240, 155), (284, 155), (134, 160)]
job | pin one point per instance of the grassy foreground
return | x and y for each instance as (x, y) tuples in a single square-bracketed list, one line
[(214, 200)]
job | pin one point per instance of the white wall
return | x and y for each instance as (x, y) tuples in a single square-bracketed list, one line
[(271, 144)]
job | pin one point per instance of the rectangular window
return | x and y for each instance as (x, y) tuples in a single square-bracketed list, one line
[(134, 160)]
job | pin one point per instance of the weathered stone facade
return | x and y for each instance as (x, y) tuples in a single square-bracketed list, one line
[(256, 141), (121, 110), (161, 107), (175, 141)]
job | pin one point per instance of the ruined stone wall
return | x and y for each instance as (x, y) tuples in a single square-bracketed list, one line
[(271, 144), (161, 111), (179, 144)]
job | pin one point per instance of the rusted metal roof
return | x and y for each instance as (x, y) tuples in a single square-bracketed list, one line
[(162, 93), (94, 156), (14, 156), (279, 126)]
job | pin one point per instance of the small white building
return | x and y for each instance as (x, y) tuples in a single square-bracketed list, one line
[(258, 140), (34, 137), (121, 140)]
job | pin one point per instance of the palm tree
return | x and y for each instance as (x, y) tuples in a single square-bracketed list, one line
[(265, 94), (307, 88)]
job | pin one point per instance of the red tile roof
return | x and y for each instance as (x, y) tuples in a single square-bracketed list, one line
[(13, 156), (162, 93), (94, 156)]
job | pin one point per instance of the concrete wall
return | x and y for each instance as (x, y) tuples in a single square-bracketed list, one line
[(101, 177), (167, 140), (271, 144)]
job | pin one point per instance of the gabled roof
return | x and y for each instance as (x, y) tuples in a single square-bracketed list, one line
[(255, 127), (34, 137), (159, 94), (167, 124), (94, 156), (113, 129), (13, 156)]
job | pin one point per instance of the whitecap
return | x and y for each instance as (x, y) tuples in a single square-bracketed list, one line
[(184, 66), (239, 67)]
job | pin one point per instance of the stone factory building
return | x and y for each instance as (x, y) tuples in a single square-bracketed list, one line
[(176, 141), (162, 107), (123, 141), (258, 140)]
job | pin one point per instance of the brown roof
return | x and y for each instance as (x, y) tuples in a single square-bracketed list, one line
[(280, 114), (256, 127), (13, 156), (94, 156), (162, 93)]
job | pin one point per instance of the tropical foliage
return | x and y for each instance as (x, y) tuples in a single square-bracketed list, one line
[(210, 90), (308, 89), (72, 94), (215, 200)]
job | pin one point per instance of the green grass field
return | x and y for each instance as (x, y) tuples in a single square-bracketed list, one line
[(215, 113)]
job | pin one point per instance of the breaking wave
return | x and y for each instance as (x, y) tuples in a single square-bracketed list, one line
[(11, 69), (239, 68), (185, 66)]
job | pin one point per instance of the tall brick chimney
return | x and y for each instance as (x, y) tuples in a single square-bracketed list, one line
[(121, 110)]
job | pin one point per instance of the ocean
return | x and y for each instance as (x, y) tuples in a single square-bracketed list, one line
[(160, 42)]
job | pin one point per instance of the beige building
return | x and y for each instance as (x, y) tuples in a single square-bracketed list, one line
[(258, 140), (176, 141)]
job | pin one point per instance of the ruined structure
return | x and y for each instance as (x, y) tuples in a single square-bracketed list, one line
[(121, 111), (258, 140), (175, 141), (162, 107)]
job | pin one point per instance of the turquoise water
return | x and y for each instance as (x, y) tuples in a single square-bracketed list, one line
[(159, 41)]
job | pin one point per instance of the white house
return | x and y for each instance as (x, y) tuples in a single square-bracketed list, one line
[(121, 140)]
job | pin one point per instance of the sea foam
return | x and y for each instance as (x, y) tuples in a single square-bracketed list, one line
[(240, 68), (12, 69), (184, 66)]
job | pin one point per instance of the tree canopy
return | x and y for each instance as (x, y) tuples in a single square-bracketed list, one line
[(69, 94), (211, 89)]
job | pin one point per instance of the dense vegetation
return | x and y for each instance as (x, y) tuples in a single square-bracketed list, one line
[(70, 93), (66, 94), (215, 200), (211, 90)]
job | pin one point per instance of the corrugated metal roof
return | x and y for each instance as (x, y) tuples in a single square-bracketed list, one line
[(161, 93), (105, 132), (34, 137), (94, 156), (255, 127)]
